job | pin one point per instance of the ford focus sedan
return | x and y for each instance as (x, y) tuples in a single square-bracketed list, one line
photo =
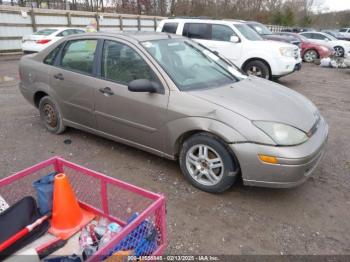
[(172, 97)]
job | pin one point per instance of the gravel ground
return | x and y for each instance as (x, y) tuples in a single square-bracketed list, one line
[(311, 219)]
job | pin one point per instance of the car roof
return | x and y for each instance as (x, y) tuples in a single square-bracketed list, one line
[(138, 36), (194, 20)]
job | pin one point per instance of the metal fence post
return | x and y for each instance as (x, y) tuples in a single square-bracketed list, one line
[(32, 16), (121, 23), (155, 23), (97, 22), (139, 23), (69, 19)]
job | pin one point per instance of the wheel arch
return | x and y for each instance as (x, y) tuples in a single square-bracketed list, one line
[(38, 96)]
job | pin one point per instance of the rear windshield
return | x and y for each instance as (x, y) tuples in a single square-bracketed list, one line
[(46, 32)]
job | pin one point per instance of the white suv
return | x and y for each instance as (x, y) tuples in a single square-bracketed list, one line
[(240, 44)]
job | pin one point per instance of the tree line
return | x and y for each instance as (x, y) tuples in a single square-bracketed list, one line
[(278, 12)]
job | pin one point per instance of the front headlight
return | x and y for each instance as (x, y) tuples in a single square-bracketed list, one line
[(287, 51), (282, 134)]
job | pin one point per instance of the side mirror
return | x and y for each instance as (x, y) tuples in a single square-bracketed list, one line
[(235, 39), (144, 85)]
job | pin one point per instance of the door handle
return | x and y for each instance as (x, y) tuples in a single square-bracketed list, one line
[(59, 76), (106, 91)]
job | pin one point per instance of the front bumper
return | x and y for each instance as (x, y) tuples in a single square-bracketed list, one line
[(286, 66), (295, 163)]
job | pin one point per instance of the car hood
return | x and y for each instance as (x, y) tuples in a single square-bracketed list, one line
[(286, 39), (259, 99)]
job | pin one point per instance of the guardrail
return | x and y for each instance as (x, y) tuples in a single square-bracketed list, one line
[(15, 22)]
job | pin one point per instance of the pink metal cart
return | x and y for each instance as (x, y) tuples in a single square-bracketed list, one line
[(103, 195)]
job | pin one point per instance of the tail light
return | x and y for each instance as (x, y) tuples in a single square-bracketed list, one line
[(43, 41)]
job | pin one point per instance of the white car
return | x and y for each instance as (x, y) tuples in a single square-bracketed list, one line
[(341, 47), (46, 37), (345, 32), (240, 44)]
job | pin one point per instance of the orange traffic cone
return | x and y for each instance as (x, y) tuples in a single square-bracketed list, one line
[(67, 216)]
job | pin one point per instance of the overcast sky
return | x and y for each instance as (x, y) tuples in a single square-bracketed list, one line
[(332, 5)]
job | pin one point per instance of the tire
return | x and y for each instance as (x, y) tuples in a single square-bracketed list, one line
[(257, 68), (195, 163), (310, 56), (339, 51), (50, 115)]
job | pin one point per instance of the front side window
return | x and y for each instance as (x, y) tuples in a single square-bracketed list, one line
[(343, 30), (222, 33), (170, 28), (197, 31), (190, 65), (261, 29), (122, 64), (78, 55)]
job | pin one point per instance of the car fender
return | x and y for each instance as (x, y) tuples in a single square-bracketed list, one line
[(186, 126)]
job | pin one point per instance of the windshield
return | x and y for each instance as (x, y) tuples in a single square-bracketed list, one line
[(248, 33), (261, 29), (45, 32), (191, 66)]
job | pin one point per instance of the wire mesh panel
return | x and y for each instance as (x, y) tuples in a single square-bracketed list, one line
[(141, 213)]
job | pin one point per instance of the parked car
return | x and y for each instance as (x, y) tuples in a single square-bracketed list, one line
[(297, 29), (170, 96), (336, 34), (267, 34), (240, 44), (345, 31), (43, 38), (310, 51), (341, 47)]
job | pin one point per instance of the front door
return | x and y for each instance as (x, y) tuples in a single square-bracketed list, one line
[(134, 117), (73, 82)]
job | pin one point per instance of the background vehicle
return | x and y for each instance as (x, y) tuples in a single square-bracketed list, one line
[(267, 34), (341, 47), (46, 37), (311, 50), (297, 29), (336, 34), (345, 31), (240, 44), (174, 98)]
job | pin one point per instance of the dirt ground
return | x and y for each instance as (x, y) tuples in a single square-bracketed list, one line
[(311, 219)]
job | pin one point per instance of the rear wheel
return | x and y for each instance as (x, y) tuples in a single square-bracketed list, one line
[(50, 115), (310, 56), (339, 51), (207, 164), (257, 68)]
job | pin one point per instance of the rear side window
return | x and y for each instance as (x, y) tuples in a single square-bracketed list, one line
[(222, 33), (78, 55), (67, 32), (307, 35), (50, 58), (170, 28), (319, 36), (197, 31), (46, 32)]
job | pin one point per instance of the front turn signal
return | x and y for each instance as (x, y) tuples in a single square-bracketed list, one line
[(268, 159)]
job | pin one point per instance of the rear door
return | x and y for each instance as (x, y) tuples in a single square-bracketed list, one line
[(132, 117), (73, 81)]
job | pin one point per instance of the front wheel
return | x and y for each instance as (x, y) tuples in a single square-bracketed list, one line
[(207, 164), (257, 68)]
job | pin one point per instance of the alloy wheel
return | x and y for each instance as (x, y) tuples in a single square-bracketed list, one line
[(204, 165), (310, 56), (255, 71), (339, 51)]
